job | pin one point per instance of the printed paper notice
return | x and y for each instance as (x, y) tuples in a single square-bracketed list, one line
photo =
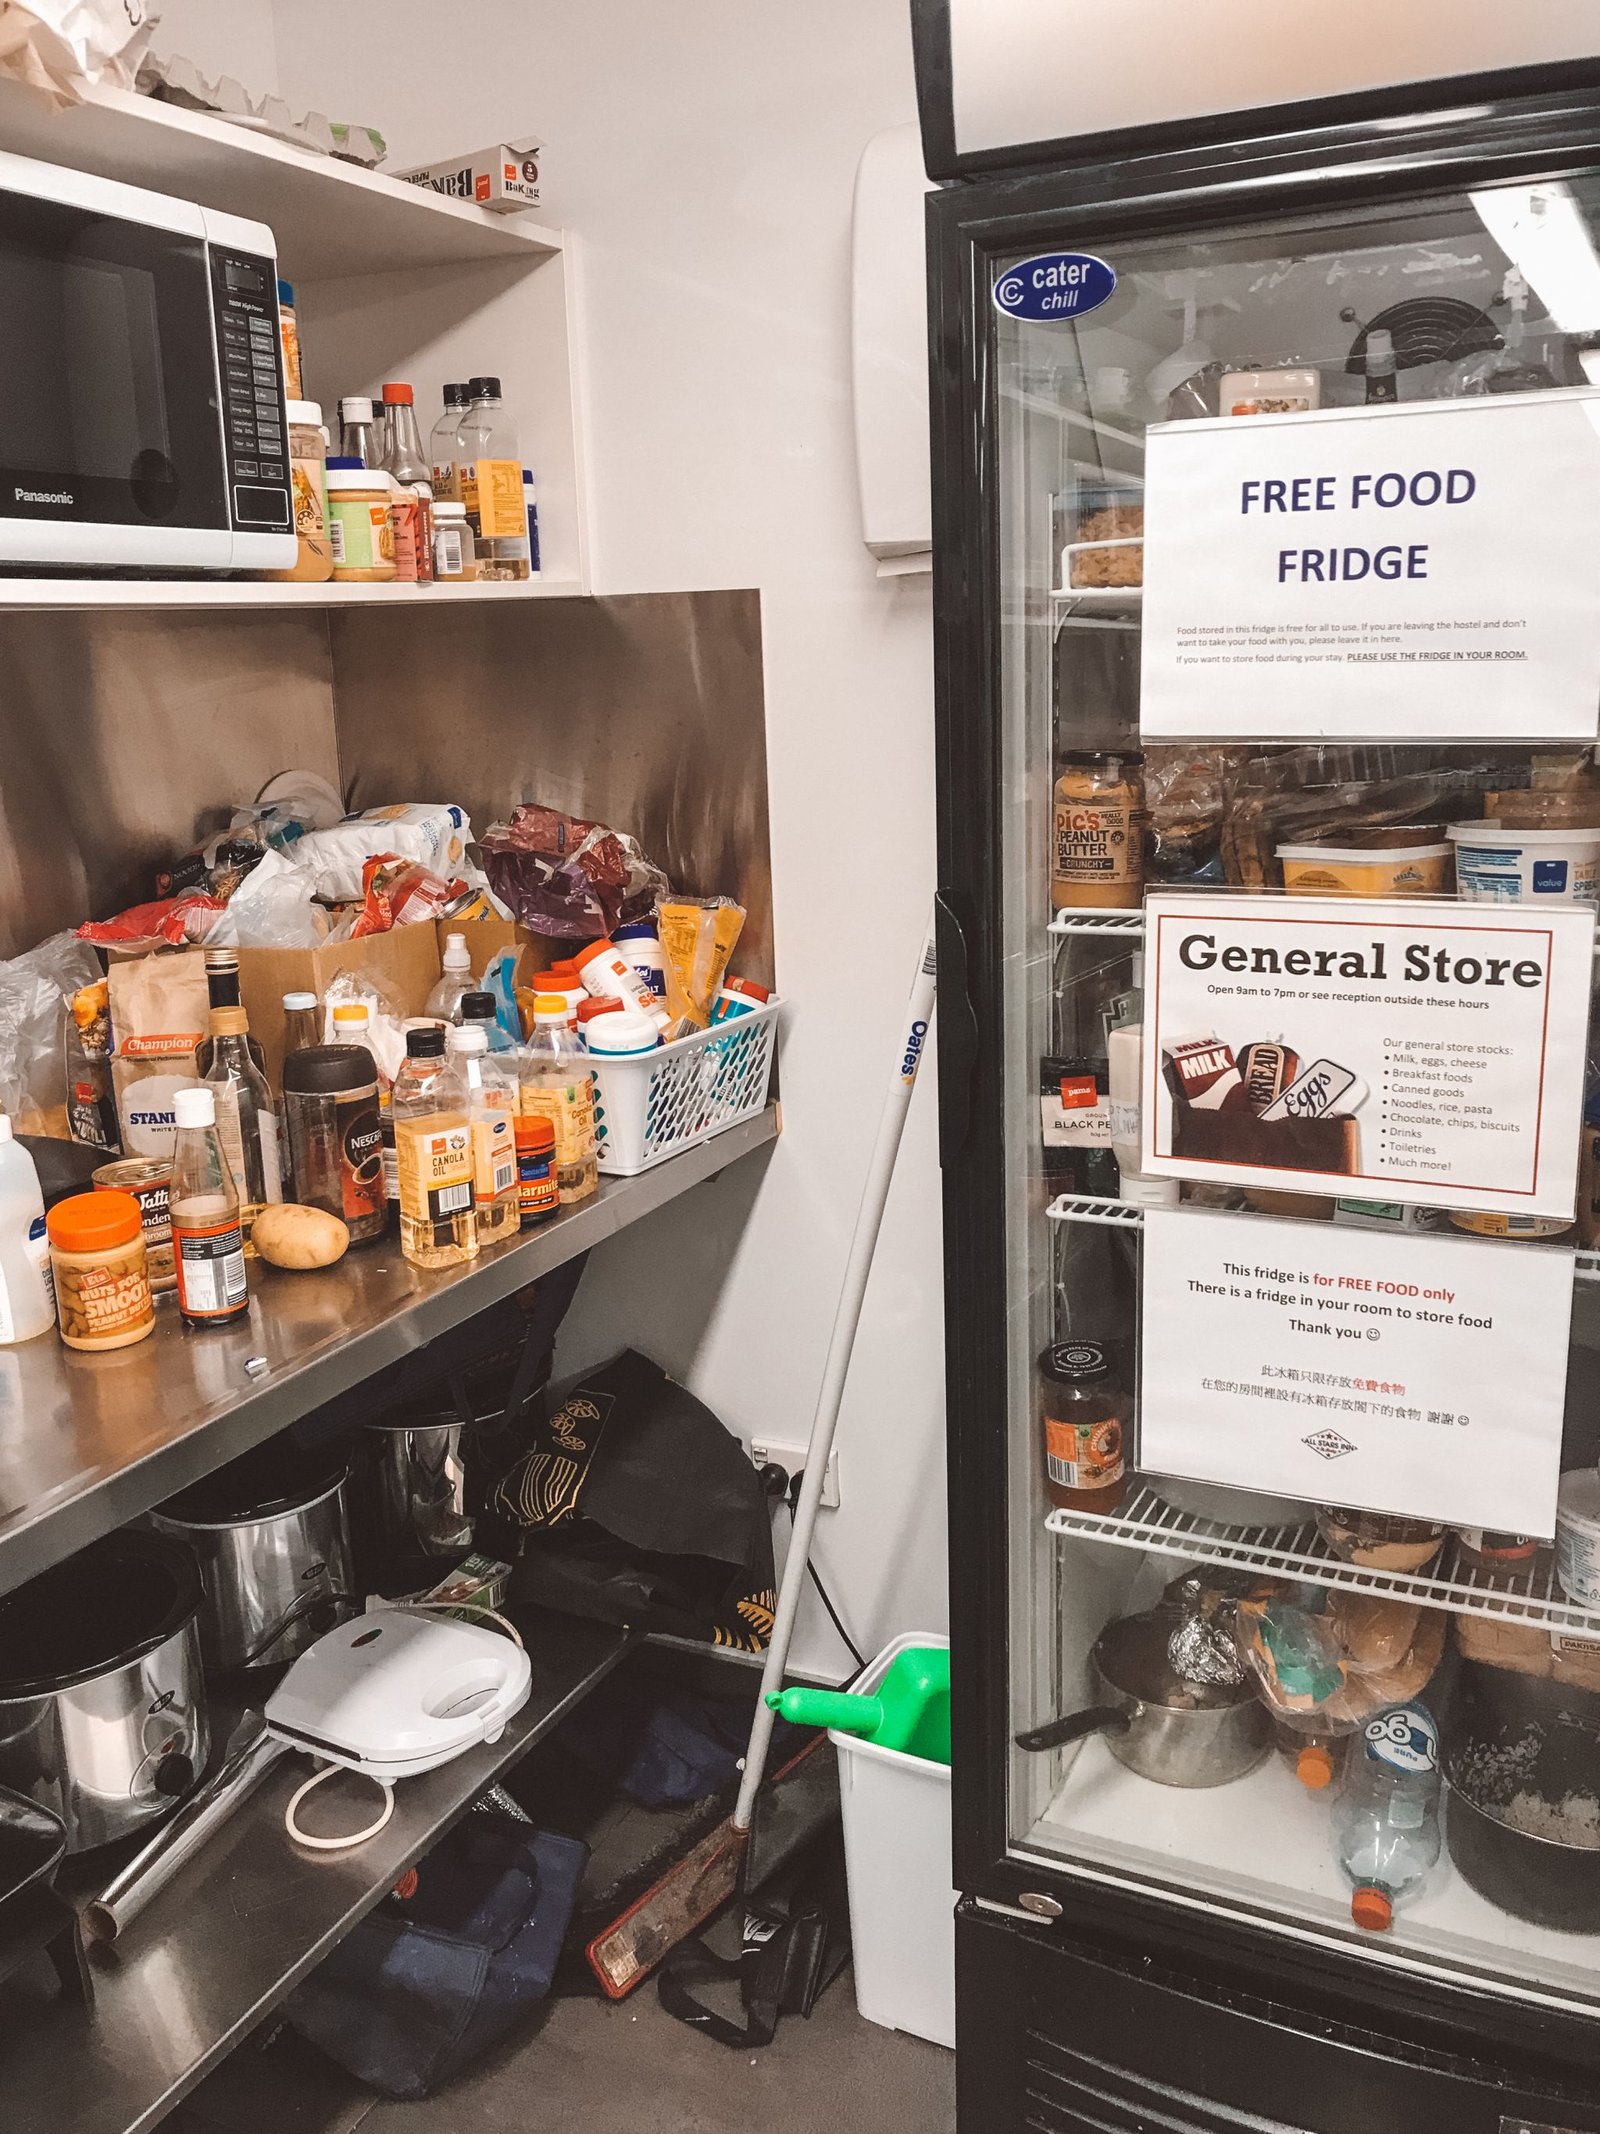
[(1402, 571), (1424, 1052), (1420, 1375)]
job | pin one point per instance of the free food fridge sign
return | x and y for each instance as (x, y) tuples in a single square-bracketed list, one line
[(1375, 572)]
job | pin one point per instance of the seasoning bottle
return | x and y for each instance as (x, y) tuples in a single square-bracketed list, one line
[(302, 1022), (455, 556), (492, 1100), (558, 1085), (289, 333), (401, 448), (97, 1261), (1084, 1412), (1097, 840), (442, 445), (360, 531), (246, 1123), (1383, 385), (433, 1152), (308, 483), (207, 1241), (358, 433), (538, 1194), (335, 1136)]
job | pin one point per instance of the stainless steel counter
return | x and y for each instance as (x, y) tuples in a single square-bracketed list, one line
[(89, 1442), (245, 1921)]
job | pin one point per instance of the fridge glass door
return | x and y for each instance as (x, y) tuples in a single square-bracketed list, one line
[(1460, 295)]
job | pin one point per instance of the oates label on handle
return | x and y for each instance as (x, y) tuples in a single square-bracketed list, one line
[(1054, 286)]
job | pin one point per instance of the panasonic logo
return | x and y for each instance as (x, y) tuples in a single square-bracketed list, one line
[(44, 496)]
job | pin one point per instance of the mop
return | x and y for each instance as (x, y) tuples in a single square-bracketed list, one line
[(691, 1891)]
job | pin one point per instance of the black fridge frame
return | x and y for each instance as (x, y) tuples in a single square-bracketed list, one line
[(1332, 163)]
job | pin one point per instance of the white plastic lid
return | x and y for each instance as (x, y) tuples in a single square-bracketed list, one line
[(308, 413), (194, 1107), (1143, 1191), (7, 1131), (294, 1001), (1492, 834), (622, 1032), (457, 956), (339, 478), (445, 509), (466, 1037), (356, 409)]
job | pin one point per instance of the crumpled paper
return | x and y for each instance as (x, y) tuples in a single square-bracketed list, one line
[(63, 47)]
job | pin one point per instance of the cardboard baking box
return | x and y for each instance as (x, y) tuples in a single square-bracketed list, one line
[(504, 178)]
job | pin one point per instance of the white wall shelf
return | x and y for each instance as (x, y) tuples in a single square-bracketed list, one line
[(22, 594), (1147, 1522), (332, 219)]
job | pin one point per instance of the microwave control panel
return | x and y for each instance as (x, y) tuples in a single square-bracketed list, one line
[(244, 299)]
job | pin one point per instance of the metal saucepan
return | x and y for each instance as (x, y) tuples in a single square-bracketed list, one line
[(1177, 1732)]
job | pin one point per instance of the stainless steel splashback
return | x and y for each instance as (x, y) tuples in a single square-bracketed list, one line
[(124, 737), (644, 711)]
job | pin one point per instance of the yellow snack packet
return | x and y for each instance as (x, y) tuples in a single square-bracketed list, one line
[(698, 935)]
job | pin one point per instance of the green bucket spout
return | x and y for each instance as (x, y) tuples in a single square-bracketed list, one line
[(908, 1711)]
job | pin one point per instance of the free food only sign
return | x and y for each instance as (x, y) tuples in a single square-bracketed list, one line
[(1374, 572)]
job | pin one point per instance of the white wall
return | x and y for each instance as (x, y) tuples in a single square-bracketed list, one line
[(705, 154), (237, 37)]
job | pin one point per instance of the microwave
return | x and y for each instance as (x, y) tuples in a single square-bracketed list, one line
[(142, 421)]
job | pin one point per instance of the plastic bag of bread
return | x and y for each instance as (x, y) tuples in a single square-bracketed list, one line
[(1339, 1655)]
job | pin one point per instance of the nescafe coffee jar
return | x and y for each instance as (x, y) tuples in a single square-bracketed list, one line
[(1084, 1411), (330, 1102)]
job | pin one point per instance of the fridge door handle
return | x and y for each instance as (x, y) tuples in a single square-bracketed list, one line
[(958, 1031), (1056, 1733)]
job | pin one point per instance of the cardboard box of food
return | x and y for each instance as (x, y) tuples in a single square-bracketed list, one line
[(504, 178)]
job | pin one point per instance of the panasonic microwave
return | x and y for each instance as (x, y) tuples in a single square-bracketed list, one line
[(142, 418)]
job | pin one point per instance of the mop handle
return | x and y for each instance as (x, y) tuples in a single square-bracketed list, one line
[(908, 1057)]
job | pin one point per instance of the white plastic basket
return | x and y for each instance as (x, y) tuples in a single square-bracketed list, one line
[(648, 1107)]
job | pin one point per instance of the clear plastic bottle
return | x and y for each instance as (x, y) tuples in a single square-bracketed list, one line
[(27, 1302), (246, 1118), (358, 432), (442, 444), (479, 1009), (444, 1002), (489, 474), (493, 1096), (401, 447), (433, 1151), (1386, 1818), (352, 1025), (207, 1241), (558, 1085)]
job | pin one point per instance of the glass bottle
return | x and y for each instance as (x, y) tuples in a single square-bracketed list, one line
[(558, 1085), (302, 1022), (492, 1097), (358, 433), (222, 991), (489, 466), (1097, 836), (246, 1122), (207, 1239), (401, 447), (433, 1156), (442, 445), (1084, 1411)]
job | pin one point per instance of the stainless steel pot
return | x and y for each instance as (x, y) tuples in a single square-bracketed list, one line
[(411, 1489), (1176, 1732), (102, 1714), (271, 1533)]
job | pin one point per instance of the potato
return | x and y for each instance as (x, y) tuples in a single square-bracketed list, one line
[(290, 1236)]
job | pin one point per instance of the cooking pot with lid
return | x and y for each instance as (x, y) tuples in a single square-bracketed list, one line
[(102, 1715)]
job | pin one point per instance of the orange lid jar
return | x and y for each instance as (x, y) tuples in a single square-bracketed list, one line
[(102, 1278)]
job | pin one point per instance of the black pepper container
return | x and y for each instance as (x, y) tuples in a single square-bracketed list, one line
[(330, 1101)]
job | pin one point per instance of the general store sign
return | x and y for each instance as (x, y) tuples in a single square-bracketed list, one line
[(1376, 572), (1418, 1375), (1425, 1052)]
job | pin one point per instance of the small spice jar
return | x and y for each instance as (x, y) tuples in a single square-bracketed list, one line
[(1084, 1410), (149, 1180), (308, 486), (97, 1257), (455, 553), (330, 1099), (360, 529), (1097, 832), (538, 1191)]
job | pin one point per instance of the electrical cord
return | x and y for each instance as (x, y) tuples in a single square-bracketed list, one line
[(815, 1576)]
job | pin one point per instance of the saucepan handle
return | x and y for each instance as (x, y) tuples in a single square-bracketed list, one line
[(1055, 1733)]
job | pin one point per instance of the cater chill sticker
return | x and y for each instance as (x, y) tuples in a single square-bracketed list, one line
[(1054, 286)]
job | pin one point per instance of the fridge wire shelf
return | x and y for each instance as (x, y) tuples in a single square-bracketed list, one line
[(1148, 1522), (1124, 1215)]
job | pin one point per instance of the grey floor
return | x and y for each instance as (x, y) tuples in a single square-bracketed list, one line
[(599, 2067)]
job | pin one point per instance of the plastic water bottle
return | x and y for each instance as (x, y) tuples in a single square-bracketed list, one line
[(1386, 1819), (27, 1301), (444, 1002)]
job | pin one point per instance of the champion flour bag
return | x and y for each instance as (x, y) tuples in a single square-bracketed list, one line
[(637, 1506)]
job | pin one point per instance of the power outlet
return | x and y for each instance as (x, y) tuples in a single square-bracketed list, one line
[(792, 1458)]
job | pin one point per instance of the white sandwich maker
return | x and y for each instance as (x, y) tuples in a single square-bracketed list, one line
[(395, 1692)]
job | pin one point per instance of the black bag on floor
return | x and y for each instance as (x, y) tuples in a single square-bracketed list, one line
[(438, 1974), (637, 1506)]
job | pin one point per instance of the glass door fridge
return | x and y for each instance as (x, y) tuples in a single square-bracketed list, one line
[(1164, 1684)]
